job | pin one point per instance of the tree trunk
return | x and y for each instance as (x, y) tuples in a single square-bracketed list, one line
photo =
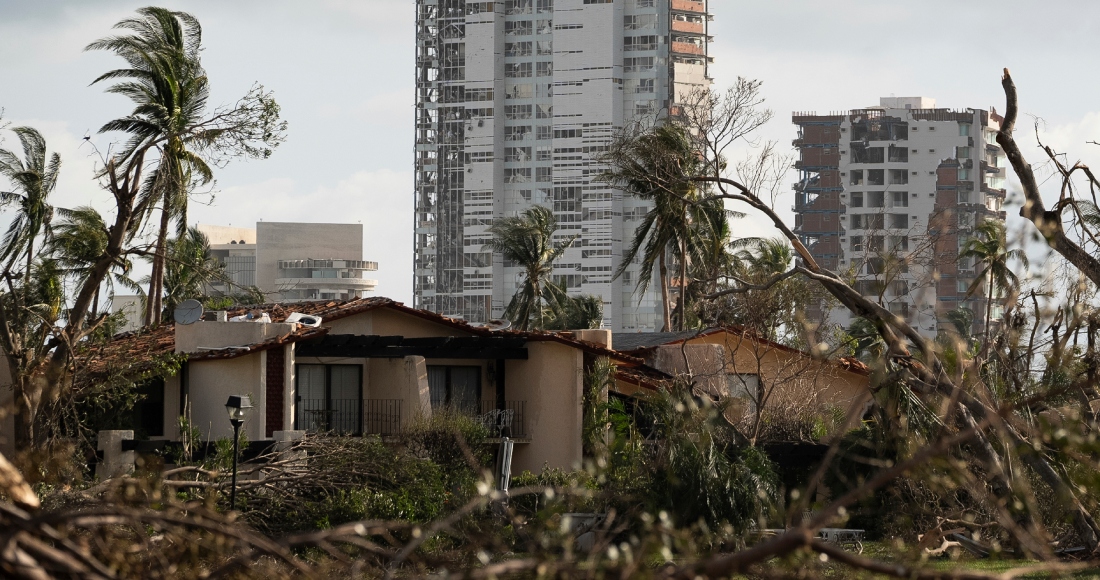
[(988, 304), (664, 292), (683, 285), (154, 300)]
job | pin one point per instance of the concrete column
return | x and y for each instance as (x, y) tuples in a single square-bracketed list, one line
[(115, 462), (417, 399)]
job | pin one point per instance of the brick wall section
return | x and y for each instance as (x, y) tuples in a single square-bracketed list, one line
[(276, 372)]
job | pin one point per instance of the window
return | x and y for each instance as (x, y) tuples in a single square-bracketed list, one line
[(543, 132), (544, 69), (857, 177), (514, 112), (518, 28), (457, 387), (964, 197), (542, 153), (900, 309), (517, 154), (899, 287), (899, 177), (148, 411), (899, 220), (964, 129), (963, 286), (543, 174), (519, 6), (517, 69), (876, 177), (542, 6), (867, 221), (520, 91), (899, 243), (640, 22), (857, 199), (638, 64), (329, 398), (518, 133), (639, 43), (962, 153), (857, 244), (544, 47), (743, 386), (964, 174), (876, 199), (517, 175), (899, 198), (898, 154), (517, 49), (639, 85), (864, 154)]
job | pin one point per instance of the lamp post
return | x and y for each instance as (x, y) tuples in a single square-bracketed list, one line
[(237, 406)]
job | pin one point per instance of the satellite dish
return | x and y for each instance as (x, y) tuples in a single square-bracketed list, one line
[(188, 312)]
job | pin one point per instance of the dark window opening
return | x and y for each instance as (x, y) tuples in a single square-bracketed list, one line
[(458, 387), (329, 398)]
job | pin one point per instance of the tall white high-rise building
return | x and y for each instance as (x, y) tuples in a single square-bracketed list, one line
[(891, 194), (515, 101)]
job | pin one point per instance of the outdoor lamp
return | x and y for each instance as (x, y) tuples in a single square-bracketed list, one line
[(237, 406)]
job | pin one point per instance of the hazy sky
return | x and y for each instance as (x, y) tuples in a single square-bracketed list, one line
[(342, 71)]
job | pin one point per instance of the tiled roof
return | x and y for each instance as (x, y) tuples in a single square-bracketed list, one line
[(133, 353)]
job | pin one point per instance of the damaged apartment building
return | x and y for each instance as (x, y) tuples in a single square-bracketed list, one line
[(891, 194), (515, 101)]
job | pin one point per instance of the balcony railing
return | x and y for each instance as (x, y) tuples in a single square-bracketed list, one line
[(337, 415), (511, 421), (350, 416), (383, 417)]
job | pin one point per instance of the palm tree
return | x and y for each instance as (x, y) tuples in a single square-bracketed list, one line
[(528, 240), (80, 238), (34, 178), (169, 89), (990, 249), (657, 166)]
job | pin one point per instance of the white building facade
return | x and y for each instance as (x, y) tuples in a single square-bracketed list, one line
[(292, 262), (891, 194), (515, 102)]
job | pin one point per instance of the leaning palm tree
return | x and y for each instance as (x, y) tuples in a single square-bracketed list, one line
[(79, 239), (169, 88), (989, 248), (34, 178), (657, 166), (528, 240)]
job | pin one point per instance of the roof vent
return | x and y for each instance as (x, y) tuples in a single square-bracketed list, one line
[(304, 319)]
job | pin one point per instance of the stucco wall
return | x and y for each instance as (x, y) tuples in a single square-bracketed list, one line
[(210, 384), (386, 322), (790, 376), (551, 381), (207, 334)]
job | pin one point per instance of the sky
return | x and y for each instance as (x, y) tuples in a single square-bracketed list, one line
[(342, 71)]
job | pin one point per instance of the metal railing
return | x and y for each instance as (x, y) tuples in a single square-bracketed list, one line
[(507, 422), (383, 417), (339, 415)]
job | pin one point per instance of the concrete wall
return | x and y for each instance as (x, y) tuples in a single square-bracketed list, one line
[(206, 334), (226, 234), (210, 384), (791, 377), (386, 322), (297, 241), (551, 381)]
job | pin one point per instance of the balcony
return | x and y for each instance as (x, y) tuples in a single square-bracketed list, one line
[(688, 48), (688, 6), (685, 26)]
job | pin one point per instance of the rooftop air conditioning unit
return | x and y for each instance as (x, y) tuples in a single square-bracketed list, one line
[(304, 319)]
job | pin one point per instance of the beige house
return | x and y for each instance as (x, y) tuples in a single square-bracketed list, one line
[(733, 362), (371, 366)]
